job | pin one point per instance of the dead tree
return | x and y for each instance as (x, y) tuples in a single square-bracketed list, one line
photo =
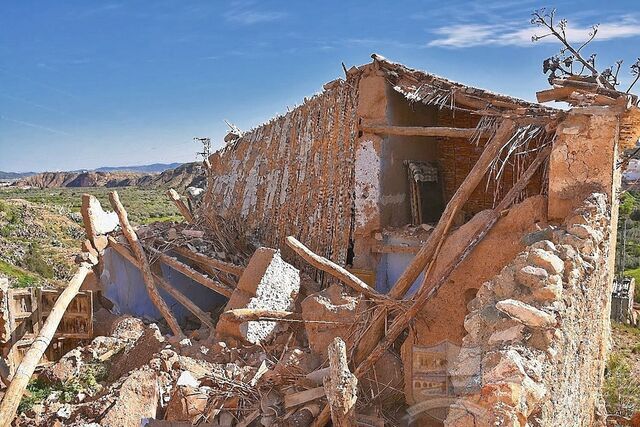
[(570, 61)]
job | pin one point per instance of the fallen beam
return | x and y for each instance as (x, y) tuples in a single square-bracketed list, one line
[(194, 275), (555, 94), (23, 374), (147, 275), (179, 296), (433, 131), (199, 258), (333, 269), (182, 207)]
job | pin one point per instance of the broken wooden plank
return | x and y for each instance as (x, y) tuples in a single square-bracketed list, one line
[(295, 399), (333, 269), (139, 254), (341, 386), (240, 315), (433, 131), (199, 258), (179, 296), (194, 275), (180, 204), (23, 374)]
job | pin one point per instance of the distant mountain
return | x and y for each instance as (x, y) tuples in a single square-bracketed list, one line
[(185, 175), (153, 168), (15, 175)]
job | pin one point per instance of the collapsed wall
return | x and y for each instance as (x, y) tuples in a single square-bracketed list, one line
[(293, 175)]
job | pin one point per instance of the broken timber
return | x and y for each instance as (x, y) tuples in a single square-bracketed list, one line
[(434, 131), (23, 374), (179, 296), (147, 275), (240, 315), (333, 269), (192, 274), (180, 204), (204, 260), (341, 386)]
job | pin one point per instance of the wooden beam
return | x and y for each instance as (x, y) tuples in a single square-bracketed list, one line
[(240, 315), (147, 275), (196, 276), (333, 269), (182, 207), (199, 258), (444, 132), (204, 317), (341, 386), (27, 366)]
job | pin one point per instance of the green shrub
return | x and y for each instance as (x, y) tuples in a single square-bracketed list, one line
[(34, 261)]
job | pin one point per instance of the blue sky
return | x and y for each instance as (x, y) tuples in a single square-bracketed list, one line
[(95, 83)]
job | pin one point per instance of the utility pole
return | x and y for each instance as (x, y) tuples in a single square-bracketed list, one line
[(206, 147)]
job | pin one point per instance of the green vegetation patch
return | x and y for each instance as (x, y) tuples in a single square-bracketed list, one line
[(21, 278), (621, 389)]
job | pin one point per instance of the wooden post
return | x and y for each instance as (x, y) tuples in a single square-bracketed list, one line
[(333, 269), (375, 331), (23, 374), (87, 217), (341, 386), (182, 207), (147, 275), (179, 296)]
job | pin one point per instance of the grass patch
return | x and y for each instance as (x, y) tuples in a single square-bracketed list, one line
[(21, 278), (621, 390)]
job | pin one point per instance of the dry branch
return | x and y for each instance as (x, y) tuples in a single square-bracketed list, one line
[(23, 374), (147, 275)]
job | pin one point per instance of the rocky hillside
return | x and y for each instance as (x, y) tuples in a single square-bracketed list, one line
[(183, 176)]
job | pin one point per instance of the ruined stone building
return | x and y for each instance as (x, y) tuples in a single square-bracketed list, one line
[(459, 242), (361, 173)]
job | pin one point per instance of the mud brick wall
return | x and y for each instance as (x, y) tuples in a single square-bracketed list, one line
[(457, 156), (294, 175)]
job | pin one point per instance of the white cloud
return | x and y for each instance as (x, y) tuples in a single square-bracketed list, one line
[(244, 12), (469, 35)]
